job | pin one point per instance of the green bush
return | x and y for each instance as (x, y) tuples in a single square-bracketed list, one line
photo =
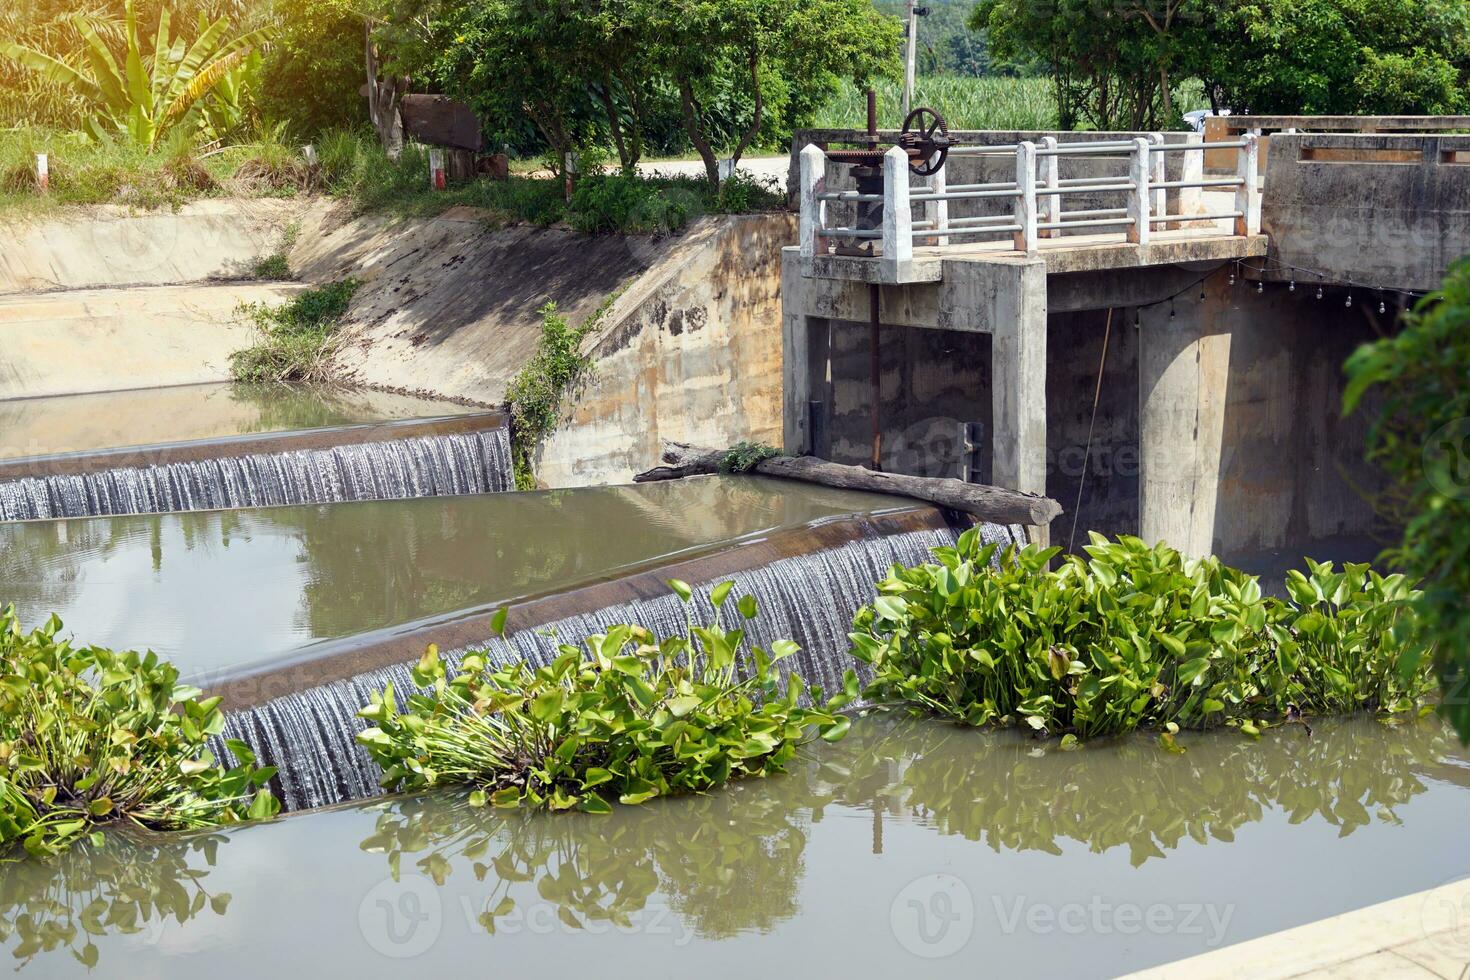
[(613, 202), (89, 736), (631, 718), (297, 340), (535, 394), (1421, 439), (1130, 637)]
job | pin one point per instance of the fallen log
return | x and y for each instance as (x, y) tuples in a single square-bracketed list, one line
[(990, 504)]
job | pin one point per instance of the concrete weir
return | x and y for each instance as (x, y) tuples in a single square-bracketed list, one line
[(405, 458), (330, 603)]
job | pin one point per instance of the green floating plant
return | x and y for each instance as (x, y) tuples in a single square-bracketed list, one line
[(1128, 637), (626, 717), (89, 737)]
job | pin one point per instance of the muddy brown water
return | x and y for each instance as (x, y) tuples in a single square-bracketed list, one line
[(911, 848), (216, 590)]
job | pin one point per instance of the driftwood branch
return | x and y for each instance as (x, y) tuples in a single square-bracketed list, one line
[(990, 504)]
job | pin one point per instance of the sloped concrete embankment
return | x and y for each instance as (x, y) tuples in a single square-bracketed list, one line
[(103, 299), (449, 307)]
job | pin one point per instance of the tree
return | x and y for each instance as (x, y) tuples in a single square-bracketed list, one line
[(1421, 439), (772, 57), (1338, 56), (1106, 61), (314, 72)]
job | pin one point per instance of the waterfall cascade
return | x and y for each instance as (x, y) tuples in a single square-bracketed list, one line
[(422, 466), (810, 598)]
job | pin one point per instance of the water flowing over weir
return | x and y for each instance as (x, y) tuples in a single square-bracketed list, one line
[(810, 598), (438, 464)]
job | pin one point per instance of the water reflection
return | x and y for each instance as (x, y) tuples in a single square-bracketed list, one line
[(129, 885), (296, 575), (738, 861), (148, 416), (727, 863)]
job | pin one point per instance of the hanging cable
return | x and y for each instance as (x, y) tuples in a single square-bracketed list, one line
[(1087, 452)]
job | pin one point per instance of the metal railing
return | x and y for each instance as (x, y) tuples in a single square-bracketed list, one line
[(1038, 195)]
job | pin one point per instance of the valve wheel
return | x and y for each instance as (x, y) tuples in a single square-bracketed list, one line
[(926, 137)]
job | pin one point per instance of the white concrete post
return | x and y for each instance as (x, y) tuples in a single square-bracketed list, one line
[(1025, 239), (308, 153), (937, 211), (898, 215), (1248, 194), (436, 169), (43, 172), (813, 210), (1157, 174), (1051, 176), (1192, 168), (1138, 201)]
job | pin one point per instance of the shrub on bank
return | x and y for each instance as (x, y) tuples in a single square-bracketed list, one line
[(626, 719), (1131, 637), (297, 340), (89, 736)]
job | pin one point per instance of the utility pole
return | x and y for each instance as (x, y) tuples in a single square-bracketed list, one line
[(915, 12)]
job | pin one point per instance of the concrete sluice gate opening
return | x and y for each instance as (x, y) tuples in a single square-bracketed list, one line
[(205, 447), (295, 615)]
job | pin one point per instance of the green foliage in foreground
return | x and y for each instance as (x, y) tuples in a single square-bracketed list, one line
[(89, 736), (1421, 439), (1132, 637), (630, 718), (298, 339)]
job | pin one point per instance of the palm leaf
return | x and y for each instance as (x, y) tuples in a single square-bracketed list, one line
[(160, 52), (200, 85), (140, 89), (105, 73), (52, 69)]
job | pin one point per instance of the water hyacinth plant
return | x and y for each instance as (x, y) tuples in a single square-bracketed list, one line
[(1131, 637), (89, 736), (628, 717)]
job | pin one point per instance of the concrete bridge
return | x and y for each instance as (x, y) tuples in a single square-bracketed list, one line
[(1145, 326)]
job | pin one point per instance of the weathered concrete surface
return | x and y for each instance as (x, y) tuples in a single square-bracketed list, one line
[(1006, 300), (1244, 451), (111, 339), (690, 352), (449, 304), (110, 246), (1351, 208)]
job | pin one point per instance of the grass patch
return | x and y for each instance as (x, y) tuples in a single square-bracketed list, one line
[(1131, 637), (90, 737), (629, 718), (353, 168), (277, 265), (297, 340)]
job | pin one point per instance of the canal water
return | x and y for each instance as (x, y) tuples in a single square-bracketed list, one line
[(145, 417), (911, 848), (226, 589)]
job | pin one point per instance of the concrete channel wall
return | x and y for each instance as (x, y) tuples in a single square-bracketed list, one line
[(1383, 210), (688, 344), (691, 352)]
